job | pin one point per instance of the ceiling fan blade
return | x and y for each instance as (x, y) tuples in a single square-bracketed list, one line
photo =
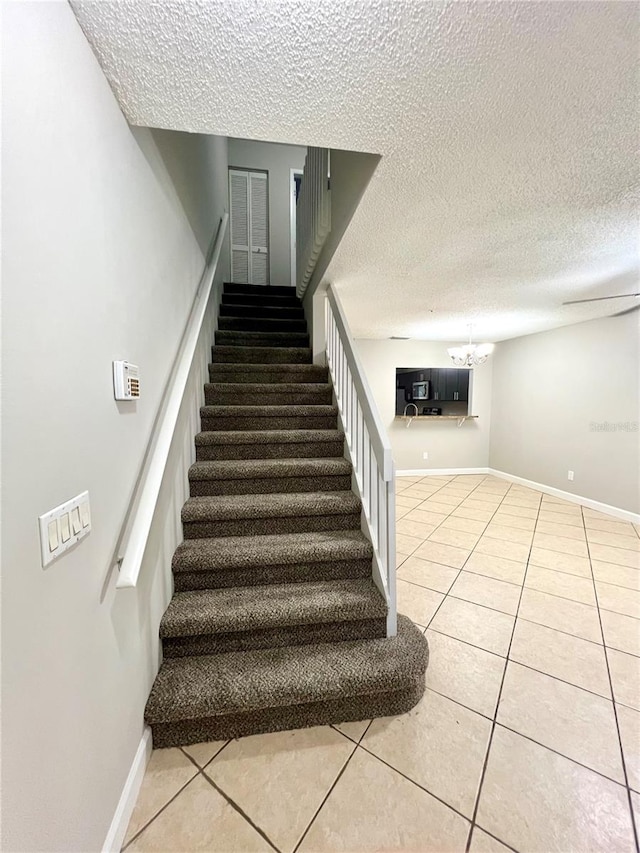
[(600, 298)]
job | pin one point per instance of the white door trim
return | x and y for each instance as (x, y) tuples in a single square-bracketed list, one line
[(292, 221)]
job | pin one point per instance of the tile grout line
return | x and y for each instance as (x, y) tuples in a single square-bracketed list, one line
[(240, 811), (634, 828), (446, 595), (497, 705), (526, 665), (199, 771), (513, 583), (159, 812), (433, 615), (413, 781), (328, 794), (215, 755), (472, 821), (527, 737)]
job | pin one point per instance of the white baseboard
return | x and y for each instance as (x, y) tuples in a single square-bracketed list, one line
[(607, 509), (122, 816), (435, 472)]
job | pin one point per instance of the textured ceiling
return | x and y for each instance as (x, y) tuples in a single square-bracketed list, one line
[(508, 133)]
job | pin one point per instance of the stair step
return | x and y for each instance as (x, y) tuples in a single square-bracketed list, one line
[(275, 394), (254, 515), (268, 417), (258, 554), (269, 444), (260, 299), (222, 696), (260, 289), (260, 355), (261, 560), (268, 373), (283, 312), (263, 476), (262, 339), (259, 324), (213, 621)]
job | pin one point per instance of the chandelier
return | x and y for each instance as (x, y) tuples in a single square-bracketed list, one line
[(469, 354)]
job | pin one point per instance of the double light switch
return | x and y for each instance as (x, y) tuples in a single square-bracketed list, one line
[(62, 527)]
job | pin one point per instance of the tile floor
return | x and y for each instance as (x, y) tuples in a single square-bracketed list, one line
[(528, 736)]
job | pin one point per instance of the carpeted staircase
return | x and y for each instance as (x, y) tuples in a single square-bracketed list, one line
[(275, 622)]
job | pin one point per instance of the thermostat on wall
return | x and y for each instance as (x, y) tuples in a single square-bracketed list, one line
[(126, 380)]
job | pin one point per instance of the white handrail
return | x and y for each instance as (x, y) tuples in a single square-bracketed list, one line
[(145, 498), (369, 449)]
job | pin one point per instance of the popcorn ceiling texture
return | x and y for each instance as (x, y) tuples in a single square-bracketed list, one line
[(508, 134)]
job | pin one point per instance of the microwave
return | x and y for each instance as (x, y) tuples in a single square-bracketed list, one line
[(420, 391)]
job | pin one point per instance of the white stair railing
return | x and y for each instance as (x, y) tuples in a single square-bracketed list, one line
[(313, 215), (369, 449)]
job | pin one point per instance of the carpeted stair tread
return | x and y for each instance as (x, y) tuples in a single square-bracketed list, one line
[(253, 608), (268, 411), (282, 416), (236, 682), (252, 469), (268, 373), (267, 394), (229, 337), (258, 299), (261, 324), (229, 553), (261, 354), (260, 289), (274, 436), (284, 312), (265, 388), (223, 507), (269, 476), (251, 443)]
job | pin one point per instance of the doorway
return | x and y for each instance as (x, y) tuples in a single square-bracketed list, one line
[(249, 206), (295, 182)]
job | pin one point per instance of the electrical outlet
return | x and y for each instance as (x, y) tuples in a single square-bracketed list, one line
[(570, 475), (425, 455)]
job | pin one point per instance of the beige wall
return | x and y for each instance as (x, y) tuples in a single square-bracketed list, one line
[(448, 445), (552, 390), (278, 160), (104, 232)]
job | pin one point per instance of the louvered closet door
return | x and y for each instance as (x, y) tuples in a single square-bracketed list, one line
[(259, 225), (249, 202), (239, 202)]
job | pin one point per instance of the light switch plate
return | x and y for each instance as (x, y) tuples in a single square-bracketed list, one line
[(62, 515)]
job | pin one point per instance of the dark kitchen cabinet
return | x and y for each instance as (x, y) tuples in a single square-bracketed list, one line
[(463, 385), (449, 384), (446, 385)]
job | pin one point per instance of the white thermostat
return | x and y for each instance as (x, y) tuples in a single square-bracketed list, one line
[(126, 380)]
